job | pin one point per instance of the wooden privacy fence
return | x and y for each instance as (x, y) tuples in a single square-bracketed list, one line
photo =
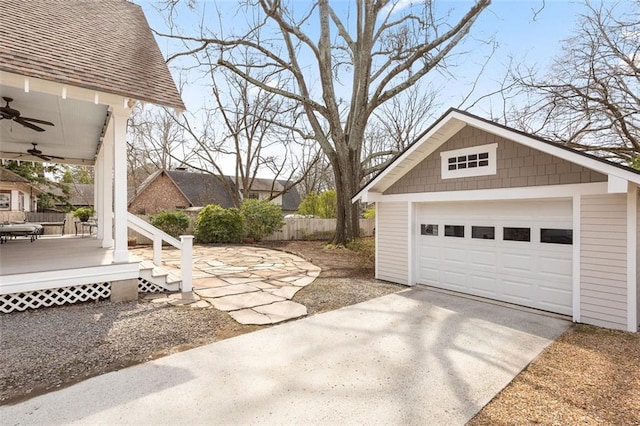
[(293, 229), (39, 217), (315, 229)]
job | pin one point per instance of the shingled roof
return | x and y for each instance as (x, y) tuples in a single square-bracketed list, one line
[(103, 45), (9, 176), (202, 189)]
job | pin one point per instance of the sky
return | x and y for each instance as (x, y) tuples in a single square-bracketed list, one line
[(529, 32)]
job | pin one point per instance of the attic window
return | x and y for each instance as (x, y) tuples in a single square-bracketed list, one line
[(468, 162)]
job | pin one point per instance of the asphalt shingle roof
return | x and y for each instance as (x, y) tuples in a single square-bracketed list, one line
[(103, 45), (9, 176), (202, 188)]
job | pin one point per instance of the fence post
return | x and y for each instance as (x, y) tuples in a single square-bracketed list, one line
[(186, 262)]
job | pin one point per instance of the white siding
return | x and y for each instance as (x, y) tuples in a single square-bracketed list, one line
[(603, 261), (392, 242)]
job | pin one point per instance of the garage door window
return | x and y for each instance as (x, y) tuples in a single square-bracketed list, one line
[(556, 236), (483, 232), (516, 234), (454, 231), (429, 229)]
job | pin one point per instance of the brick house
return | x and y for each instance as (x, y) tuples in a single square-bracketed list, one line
[(170, 190)]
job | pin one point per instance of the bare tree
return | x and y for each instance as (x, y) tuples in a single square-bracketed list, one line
[(378, 49), (590, 97), (155, 142), (395, 125), (252, 126)]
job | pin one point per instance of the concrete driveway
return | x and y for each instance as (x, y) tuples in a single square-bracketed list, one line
[(415, 357)]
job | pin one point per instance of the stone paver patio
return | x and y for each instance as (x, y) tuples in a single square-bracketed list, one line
[(253, 284)]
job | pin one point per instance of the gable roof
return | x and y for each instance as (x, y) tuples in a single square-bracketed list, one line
[(104, 45), (7, 175), (453, 121), (80, 194), (202, 188)]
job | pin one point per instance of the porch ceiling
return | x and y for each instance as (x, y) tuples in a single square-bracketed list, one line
[(74, 137)]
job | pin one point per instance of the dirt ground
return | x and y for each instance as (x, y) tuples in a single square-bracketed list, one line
[(589, 376)]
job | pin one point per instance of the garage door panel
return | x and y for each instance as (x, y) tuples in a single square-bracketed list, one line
[(454, 279), (430, 275), (555, 267), (483, 285), (483, 258), (454, 255), (528, 273), (518, 263)]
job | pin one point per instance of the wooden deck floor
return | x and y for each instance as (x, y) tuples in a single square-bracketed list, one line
[(53, 253)]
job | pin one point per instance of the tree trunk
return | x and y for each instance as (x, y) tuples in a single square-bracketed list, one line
[(346, 172)]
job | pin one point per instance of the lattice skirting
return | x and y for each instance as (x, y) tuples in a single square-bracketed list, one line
[(145, 286), (56, 296)]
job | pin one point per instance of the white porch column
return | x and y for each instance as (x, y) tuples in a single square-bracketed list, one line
[(119, 120), (106, 187), (98, 194), (15, 200)]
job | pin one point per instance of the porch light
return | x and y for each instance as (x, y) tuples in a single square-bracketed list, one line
[(26, 85)]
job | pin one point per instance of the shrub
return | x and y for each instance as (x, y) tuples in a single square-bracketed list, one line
[(261, 218), (173, 223), (215, 224)]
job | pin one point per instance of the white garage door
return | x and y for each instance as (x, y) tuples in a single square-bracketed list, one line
[(515, 251)]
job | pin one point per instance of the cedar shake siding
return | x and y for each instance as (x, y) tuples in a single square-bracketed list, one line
[(160, 195), (517, 166), (603, 261), (391, 242)]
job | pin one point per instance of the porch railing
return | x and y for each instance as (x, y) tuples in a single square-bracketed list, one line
[(185, 245)]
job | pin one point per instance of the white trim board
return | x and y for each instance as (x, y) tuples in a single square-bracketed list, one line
[(551, 191)]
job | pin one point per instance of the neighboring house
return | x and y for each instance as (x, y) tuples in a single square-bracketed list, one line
[(79, 195), (264, 189), (180, 189), (17, 194), (76, 69), (478, 208)]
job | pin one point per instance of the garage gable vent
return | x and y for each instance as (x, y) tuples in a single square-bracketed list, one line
[(468, 162)]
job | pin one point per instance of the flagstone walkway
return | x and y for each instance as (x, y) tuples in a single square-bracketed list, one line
[(253, 284)]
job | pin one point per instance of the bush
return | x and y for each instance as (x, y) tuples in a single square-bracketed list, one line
[(261, 218), (173, 223), (215, 224)]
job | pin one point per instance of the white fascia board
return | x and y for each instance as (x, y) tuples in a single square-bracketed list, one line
[(531, 192), (65, 91), (617, 185), (550, 149)]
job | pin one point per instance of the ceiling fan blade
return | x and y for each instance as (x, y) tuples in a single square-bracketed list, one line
[(27, 124), (35, 120)]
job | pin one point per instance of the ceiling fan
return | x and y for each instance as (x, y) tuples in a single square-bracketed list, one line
[(8, 113), (37, 153)]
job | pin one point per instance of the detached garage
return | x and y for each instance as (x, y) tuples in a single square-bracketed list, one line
[(479, 208)]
